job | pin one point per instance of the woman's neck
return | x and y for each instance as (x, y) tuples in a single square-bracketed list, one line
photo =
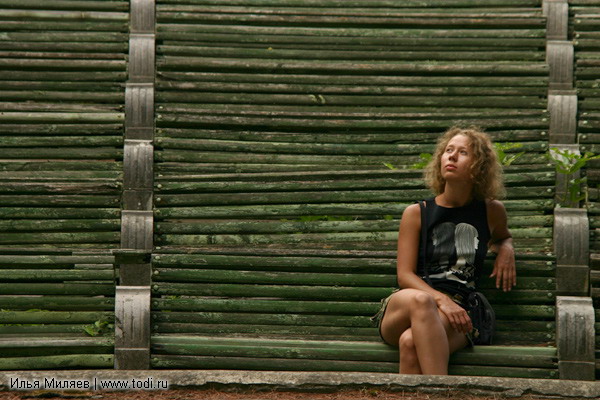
[(455, 195)]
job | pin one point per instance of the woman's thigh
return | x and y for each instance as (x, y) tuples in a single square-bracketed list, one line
[(396, 318)]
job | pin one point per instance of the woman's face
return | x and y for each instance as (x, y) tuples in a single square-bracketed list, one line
[(457, 158)]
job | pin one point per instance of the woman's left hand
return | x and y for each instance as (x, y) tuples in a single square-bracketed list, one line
[(504, 267)]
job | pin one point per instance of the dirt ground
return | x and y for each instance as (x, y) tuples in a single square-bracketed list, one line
[(186, 394)]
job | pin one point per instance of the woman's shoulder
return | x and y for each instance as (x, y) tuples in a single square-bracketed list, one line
[(495, 206), (413, 210)]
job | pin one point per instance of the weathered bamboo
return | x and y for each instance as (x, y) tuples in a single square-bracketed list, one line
[(45, 95), (60, 212), (187, 79), (405, 32), (59, 187), (112, 5), (51, 259), (58, 303), (174, 362), (77, 16), (303, 148), (365, 3), (60, 362), (321, 197), (256, 39), (59, 200), (53, 317), (60, 237), (231, 52), (104, 288), (50, 275), (49, 117)]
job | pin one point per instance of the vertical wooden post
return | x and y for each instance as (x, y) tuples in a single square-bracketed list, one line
[(132, 297)]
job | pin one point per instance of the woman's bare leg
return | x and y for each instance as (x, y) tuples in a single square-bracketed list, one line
[(423, 334)]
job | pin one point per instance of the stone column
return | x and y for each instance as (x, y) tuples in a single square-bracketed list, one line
[(132, 296)]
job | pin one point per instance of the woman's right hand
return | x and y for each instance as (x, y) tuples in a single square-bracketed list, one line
[(458, 317)]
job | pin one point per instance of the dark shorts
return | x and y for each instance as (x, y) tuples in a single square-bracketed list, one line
[(458, 298)]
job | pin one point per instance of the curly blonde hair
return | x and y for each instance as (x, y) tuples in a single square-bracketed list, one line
[(486, 170)]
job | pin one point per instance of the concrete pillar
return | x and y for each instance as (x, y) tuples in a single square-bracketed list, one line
[(575, 336)]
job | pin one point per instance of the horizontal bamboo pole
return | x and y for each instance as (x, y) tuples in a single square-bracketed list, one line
[(177, 362), (316, 148), (103, 288), (54, 176), (273, 182), (63, 65), (53, 317), (364, 3), (362, 54), (327, 261), (289, 65), (50, 153), (343, 307), (309, 31), (63, 188), (539, 289), (49, 95), (253, 39), (347, 124), (69, 118), (21, 330), (366, 9), (168, 79), (113, 5), (115, 49), (171, 362), (59, 212), (85, 26), (59, 200), (57, 76), (61, 238), (57, 303), (59, 15), (60, 362), (201, 162), (422, 117), (322, 197), (422, 98), (59, 225), (272, 278), (53, 275), (281, 211), (306, 332), (56, 129), (260, 319), (50, 259), (253, 231), (66, 341)]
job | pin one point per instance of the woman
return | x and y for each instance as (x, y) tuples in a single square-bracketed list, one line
[(464, 219)]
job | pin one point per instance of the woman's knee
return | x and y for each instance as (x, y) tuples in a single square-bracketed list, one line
[(408, 351), (406, 341), (422, 299)]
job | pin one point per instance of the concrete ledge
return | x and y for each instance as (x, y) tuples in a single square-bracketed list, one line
[(323, 382)]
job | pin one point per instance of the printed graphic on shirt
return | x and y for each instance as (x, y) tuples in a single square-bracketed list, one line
[(454, 249)]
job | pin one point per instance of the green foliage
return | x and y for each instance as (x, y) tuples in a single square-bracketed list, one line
[(425, 159), (501, 151), (568, 163), (99, 328)]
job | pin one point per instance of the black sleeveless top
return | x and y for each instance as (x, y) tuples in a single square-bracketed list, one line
[(457, 243)]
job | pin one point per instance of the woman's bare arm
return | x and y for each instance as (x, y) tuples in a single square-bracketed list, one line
[(501, 244)]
